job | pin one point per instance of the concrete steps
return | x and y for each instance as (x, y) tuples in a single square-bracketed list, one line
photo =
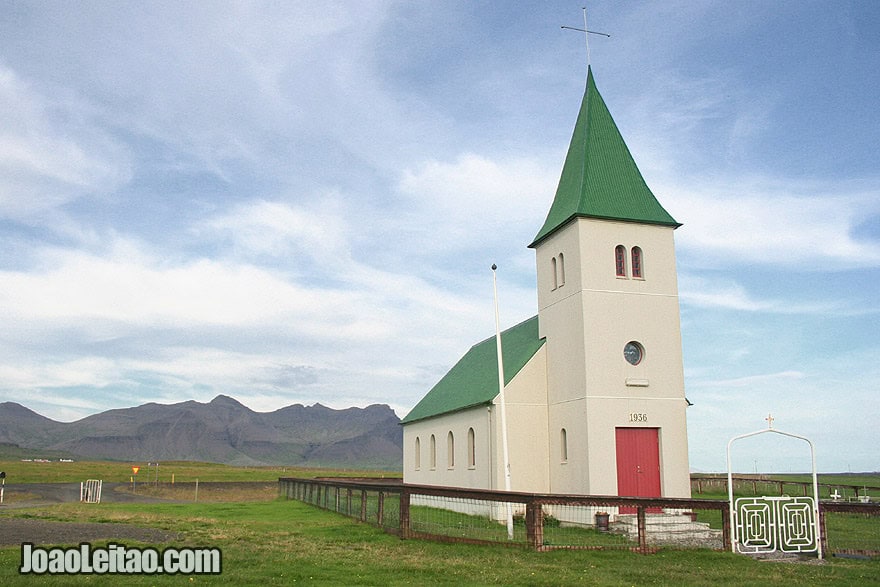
[(671, 529)]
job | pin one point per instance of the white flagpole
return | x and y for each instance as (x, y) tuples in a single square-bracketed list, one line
[(502, 406)]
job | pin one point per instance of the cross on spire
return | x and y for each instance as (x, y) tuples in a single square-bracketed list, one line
[(769, 419), (587, 34)]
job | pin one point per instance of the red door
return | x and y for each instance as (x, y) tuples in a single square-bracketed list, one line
[(638, 463)]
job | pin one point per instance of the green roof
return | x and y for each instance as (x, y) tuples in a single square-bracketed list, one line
[(473, 381), (600, 178)]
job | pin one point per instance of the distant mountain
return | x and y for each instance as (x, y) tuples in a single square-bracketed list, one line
[(222, 431)]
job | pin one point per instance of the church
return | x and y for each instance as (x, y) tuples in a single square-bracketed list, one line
[(594, 383)]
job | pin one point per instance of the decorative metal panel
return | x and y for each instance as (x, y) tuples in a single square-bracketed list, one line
[(775, 524)]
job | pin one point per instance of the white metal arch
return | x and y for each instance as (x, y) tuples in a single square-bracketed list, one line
[(733, 540)]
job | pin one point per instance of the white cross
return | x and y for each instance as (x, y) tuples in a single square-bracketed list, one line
[(587, 34), (769, 419)]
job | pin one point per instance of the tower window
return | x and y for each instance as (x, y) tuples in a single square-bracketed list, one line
[(637, 263), (433, 452), (561, 265), (472, 450), (418, 454), (620, 260), (557, 264), (563, 445)]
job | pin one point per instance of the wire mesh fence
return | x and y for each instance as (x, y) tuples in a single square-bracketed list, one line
[(851, 528), (547, 522), (522, 519), (758, 485)]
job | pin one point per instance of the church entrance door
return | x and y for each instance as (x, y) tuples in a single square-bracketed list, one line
[(638, 463)]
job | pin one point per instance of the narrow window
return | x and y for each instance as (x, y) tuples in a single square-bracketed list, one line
[(561, 270), (637, 262), (555, 275), (620, 260), (450, 450), (563, 446), (433, 453), (418, 454), (472, 450)]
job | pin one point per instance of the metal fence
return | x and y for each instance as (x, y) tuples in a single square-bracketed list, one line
[(850, 528), (546, 522), (764, 485), (539, 521), (90, 491)]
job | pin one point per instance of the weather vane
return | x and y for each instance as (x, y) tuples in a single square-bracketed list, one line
[(587, 33)]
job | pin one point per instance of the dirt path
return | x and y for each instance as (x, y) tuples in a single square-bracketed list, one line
[(14, 531), (36, 494)]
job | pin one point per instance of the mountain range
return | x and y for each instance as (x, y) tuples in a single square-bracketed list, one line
[(222, 431)]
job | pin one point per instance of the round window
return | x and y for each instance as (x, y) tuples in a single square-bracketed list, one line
[(633, 352)]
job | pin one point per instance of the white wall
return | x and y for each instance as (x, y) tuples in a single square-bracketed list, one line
[(526, 401), (587, 322)]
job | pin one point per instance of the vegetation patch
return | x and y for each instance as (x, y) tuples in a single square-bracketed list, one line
[(282, 542)]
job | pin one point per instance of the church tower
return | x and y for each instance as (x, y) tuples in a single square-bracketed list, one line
[(608, 310)]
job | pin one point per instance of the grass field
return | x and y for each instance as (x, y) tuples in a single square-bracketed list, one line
[(18, 471), (269, 541), (280, 542)]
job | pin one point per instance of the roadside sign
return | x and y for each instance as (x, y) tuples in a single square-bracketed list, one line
[(135, 470)]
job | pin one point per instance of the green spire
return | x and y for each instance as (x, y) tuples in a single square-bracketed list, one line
[(600, 178)]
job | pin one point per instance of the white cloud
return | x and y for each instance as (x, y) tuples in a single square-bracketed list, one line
[(277, 229), (479, 201), (126, 317), (478, 187), (806, 226), (752, 381), (51, 152), (706, 292)]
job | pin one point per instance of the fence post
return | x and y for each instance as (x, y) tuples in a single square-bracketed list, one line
[(725, 528), (643, 530), (535, 525), (380, 514), (823, 535), (363, 516), (404, 514)]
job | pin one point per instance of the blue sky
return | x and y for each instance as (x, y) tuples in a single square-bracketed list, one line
[(299, 202)]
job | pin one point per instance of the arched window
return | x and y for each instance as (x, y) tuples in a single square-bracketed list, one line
[(450, 450), (637, 262), (561, 270), (418, 454), (620, 260), (563, 445), (555, 274), (433, 453), (472, 450)]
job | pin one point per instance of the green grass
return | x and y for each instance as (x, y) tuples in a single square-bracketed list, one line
[(285, 542), (18, 471)]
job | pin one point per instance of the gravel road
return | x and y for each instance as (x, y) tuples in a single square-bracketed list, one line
[(14, 531)]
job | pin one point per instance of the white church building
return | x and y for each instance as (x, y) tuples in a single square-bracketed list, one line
[(594, 383)]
